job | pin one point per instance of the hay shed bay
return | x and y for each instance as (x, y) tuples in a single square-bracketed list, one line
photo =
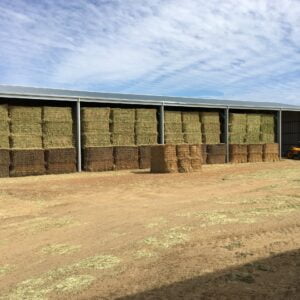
[(52, 131)]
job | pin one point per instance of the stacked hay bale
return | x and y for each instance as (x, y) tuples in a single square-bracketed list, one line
[(4, 141), (163, 159), (267, 133), (238, 153), (255, 153), (144, 157), (122, 126), (270, 152), (97, 159), (183, 158), (126, 157), (211, 127), (27, 155), (191, 128), (216, 154), (146, 127), (196, 157), (237, 128), (95, 127), (58, 140), (204, 153), (173, 127), (253, 129)]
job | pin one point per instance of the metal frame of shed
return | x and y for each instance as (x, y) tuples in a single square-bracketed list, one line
[(161, 102)]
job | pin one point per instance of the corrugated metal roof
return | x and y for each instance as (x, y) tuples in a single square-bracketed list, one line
[(9, 91)]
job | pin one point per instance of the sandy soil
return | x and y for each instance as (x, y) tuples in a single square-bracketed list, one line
[(228, 232)]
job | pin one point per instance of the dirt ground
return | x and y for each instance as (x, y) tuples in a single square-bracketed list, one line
[(228, 232)]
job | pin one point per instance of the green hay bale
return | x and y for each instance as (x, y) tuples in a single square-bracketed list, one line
[(58, 142), (95, 114), (23, 141), (94, 127), (25, 114), (210, 117), (268, 128), (123, 127), (146, 139), (119, 115), (4, 127), (237, 138), (172, 116), (190, 117), (237, 118), (3, 112), (146, 127), (267, 119), (173, 128), (267, 138), (56, 114), (193, 138), (57, 128), (146, 115), (96, 140), (123, 139), (18, 127), (4, 141), (191, 127), (174, 138), (211, 128), (211, 138), (253, 119), (238, 128), (252, 137)]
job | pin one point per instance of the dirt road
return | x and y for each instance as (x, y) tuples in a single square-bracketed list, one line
[(228, 232)]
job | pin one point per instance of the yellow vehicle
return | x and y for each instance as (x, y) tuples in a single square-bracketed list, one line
[(294, 152)]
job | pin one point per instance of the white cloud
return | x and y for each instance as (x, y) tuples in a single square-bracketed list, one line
[(240, 50)]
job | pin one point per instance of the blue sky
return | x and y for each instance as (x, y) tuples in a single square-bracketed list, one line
[(246, 50)]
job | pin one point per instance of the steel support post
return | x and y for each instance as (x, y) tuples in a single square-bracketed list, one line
[(162, 124), (227, 133), (78, 132), (279, 131)]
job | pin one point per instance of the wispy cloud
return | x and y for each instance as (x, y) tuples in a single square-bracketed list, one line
[(223, 49)]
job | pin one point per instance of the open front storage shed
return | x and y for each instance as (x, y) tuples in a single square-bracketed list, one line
[(61, 125)]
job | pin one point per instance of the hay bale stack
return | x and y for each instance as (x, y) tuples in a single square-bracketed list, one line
[(216, 154), (26, 127), (237, 128), (27, 162), (58, 131), (196, 157), (126, 157), (211, 127), (238, 153), (253, 129), (97, 159), (183, 158), (145, 157), (95, 127), (191, 127), (173, 127), (255, 153), (4, 127), (267, 132), (60, 161), (270, 152), (163, 159), (4, 162), (146, 126), (122, 126), (204, 153)]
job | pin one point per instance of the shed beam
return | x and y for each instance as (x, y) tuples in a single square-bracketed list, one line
[(78, 132)]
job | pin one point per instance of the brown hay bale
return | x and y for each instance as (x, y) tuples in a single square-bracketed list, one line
[(238, 149), (58, 142), (255, 157), (61, 168), (146, 139), (4, 157), (184, 165), (142, 127), (24, 128), (191, 127), (190, 117), (126, 164), (57, 114), (176, 138), (57, 128), (238, 158), (24, 141), (122, 139), (193, 138), (96, 140), (3, 112), (4, 170), (196, 164), (4, 127), (216, 159), (145, 157), (126, 153), (163, 159), (62, 155), (25, 114), (271, 148), (255, 149), (27, 157), (123, 127), (98, 154), (4, 142), (219, 149), (204, 153), (26, 170), (98, 166), (172, 116), (146, 115), (95, 114), (196, 151), (183, 151), (210, 117)]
